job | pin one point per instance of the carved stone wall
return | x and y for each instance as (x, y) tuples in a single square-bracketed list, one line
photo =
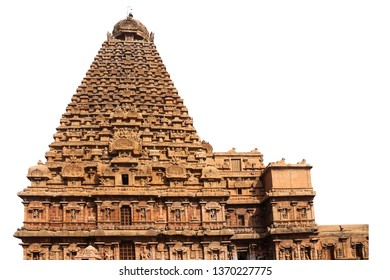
[(128, 177)]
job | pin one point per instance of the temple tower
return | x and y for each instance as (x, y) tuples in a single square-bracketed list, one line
[(128, 177)]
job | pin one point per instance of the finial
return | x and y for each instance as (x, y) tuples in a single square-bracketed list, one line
[(129, 12)]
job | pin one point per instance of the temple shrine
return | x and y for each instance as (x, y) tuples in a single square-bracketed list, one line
[(127, 177)]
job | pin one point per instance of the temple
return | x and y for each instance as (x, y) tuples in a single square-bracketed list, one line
[(127, 177)]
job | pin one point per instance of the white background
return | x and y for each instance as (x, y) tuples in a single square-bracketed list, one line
[(296, 79)]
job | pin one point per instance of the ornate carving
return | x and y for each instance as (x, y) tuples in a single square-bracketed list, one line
[(89, 253), (136, 174), (144, 170), (191, 178), (108, 254), (284, 212), (40, 171), (145, 254), (176, 171), (210, 172), (73, 170), (208, 147), (213, 205), (239, 183), (126, 140)]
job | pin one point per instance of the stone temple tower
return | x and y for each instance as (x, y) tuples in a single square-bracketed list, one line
[(128, 177)]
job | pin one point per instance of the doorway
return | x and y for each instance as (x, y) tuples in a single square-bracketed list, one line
[(242, 255)]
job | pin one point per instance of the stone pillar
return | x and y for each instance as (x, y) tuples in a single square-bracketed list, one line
[(234, 252), (298, 242), (194, 252), (133, 210), (315, 250), (187, 255), (137, 250), (252, 251), (64, 220), (116, 216), (162, 252), (223, 204), (115, 248), (185, 203), (98, 211), (46, 250), (225, 245), (344, 246), (100, 248), (47, 211), (312, 216), (294, 210), (365, 248), (64, 250), (152, 246), (151, 204), (82, 213), (205, 245), (25, 248), (26, 203), (168, 205), (161, 216), (170, 246), (57, 254), (56, 211), (202, 211), (275, 212), (194, 211), (276, 244)]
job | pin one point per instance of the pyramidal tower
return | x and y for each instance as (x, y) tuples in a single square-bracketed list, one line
[(128, 177)]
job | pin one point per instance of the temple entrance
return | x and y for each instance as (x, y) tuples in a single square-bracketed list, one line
[(242, 255), (359, 251), (329, 253)]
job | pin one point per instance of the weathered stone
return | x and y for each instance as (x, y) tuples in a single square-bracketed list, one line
[(128, 177)]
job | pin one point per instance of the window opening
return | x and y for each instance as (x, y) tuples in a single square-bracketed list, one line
[(242, 255), (241, 220), (125, 215), (125, 179), (126, 250), (236, 164)]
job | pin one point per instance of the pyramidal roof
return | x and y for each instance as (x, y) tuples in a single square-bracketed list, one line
[(127, 115)]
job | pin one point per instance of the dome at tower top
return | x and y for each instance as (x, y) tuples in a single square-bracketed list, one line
[(130, 29)]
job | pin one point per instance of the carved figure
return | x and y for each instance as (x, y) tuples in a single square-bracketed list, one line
[(145, 153), (213, 214), (35, 214), (304, 213), (226, 164), (72, 214), (284, 212), (143, 214), (108, 213), (288, 255), (177, 215), (191, 178), (108, 254), (145, 254)]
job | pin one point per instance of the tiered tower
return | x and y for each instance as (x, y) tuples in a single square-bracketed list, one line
[(128, 177)]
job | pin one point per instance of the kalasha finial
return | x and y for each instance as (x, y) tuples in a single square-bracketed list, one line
[(129, 12)]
